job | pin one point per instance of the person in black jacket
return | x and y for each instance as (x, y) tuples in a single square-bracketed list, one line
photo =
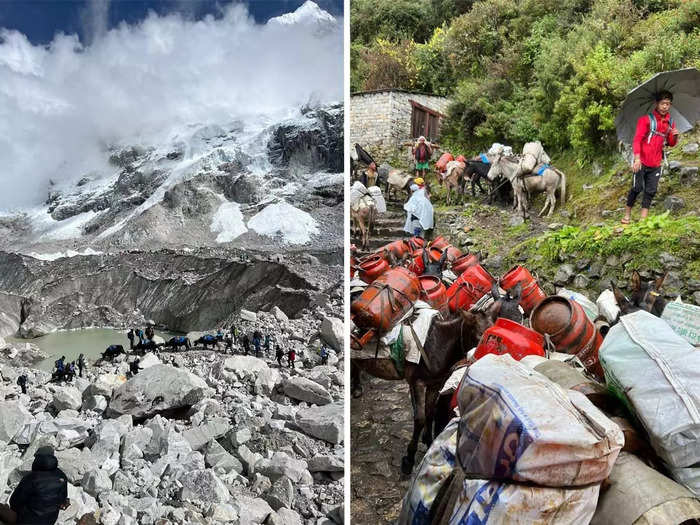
[(40, 495)]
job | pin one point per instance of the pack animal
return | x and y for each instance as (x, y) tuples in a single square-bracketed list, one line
[(113, 351), (645, 296), (475, 171), (454, 173), (432, 267), (363, 214), (207, 340), (177, 342), (397, 182), (545, 179), (446, 345), (447, 342)]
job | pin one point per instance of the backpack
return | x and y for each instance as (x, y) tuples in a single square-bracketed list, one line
[(652, 127)]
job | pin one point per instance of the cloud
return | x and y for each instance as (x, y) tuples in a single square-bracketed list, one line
[(63, 104)]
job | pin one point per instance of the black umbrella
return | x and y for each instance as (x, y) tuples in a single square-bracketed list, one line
[(363, 156), (684, 84)]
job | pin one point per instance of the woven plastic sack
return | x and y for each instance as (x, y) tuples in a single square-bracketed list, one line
[(656, 373), (379, 201), (684, 319), (589, 307), (607, 305), (357, 191), (517, 424), (490, 502)]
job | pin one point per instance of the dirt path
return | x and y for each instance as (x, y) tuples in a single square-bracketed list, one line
[(381, 426)]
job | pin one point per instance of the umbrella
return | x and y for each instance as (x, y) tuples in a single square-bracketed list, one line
[(363, 156), (685, 111)]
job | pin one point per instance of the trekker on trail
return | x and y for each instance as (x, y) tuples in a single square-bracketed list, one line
[(219, 335), (324, 355), (291, 357), (70, 371), (279, 355), (256, 343), (134, 366), (40, 495), (234, 333), (22, 382), (653, 132), (81, 364), (131, 335), (419, 211), (246, 343), (267, 343), (422, 154)]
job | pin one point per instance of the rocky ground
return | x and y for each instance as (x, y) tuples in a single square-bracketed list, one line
[(198, 436)]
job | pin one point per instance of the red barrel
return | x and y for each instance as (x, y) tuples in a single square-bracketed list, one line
[(439, 242), (402, 246), (434, 293), (452, 252), (386, 300), (531, 295), (441, 164), (472, 285), (353, 264), (570, 330), (460, 158), (417, 266), (463, 262), (509, 337), (372, 267)]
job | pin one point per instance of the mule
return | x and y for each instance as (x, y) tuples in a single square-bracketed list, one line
[(432, 267), (477, 170), (207, 340), (549, 181), (454, 173), (397, 181), (177, 342), (113, 351), (363, 214), (644, 296), (447, 344)]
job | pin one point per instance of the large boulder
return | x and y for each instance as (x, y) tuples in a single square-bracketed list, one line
[(96, 481), (199, 437), (332, 332), (304, 389), (266, 381), (156, 389), (104, 385), (67, 397), (204, 486), (244, 367), (219, 459), (13, 418), (149, 360), (322, 422), (252, 511), (280, 464)]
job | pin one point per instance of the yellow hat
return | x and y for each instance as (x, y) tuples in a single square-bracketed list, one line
[(419, 180)]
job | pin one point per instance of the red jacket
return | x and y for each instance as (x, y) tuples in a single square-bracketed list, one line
[(650, 151)]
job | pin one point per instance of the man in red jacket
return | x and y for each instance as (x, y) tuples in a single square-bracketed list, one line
[(648, 147)]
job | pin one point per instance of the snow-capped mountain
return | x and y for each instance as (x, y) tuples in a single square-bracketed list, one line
[(309, 15), (172, 133), (259, 184)]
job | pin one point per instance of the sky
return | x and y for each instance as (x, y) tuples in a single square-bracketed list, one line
[(40, 20), (105, 78)]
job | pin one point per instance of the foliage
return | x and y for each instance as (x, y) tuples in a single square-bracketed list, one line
[(646, 238), (522, 70)]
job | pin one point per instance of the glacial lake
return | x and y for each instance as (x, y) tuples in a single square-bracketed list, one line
[(71, 343)]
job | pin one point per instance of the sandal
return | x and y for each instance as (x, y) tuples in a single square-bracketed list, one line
[(625, 220)]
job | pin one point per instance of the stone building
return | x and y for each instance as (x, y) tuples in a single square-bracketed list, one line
[(383, 121)]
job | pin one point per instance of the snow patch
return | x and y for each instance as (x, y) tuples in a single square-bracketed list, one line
[(294, 225), (68, 228), (59, 255), (228, 222)]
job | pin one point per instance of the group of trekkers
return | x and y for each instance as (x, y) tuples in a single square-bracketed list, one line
[(63, 371)]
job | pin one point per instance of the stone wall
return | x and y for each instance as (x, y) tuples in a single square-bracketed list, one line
[(381, 121)]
